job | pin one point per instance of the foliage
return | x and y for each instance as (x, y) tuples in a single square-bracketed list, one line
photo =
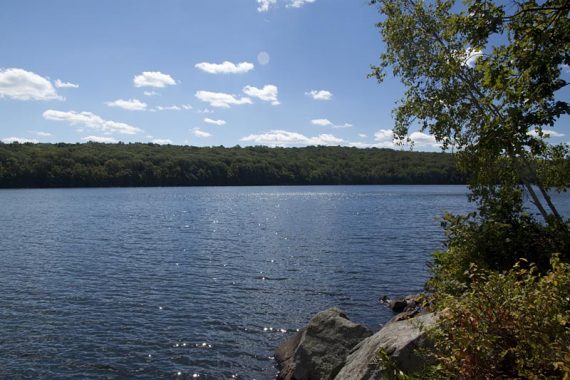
[(91, 164), (492, 245), (485, 82), (511, 325), (483, 78)]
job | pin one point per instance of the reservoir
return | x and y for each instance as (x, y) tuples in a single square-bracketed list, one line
[(201, 282)]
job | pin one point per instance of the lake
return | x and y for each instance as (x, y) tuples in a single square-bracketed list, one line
[(188, 282)]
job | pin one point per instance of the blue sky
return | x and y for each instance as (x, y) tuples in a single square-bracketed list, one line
[(196, 72)]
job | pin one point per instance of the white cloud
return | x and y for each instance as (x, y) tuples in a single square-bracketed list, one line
[(153, 79), (90, 120), (150, 93), (173, 108), (100, 139), (214, 122), (328, 123), (321, 122), (384, 135), (20, 140), (225, 68), (200, 133), (205, 110), (41, 133), (162, 141), (60, 84), (265, 4), (298, 3), (286, 138), (471, 56), (384, 138), (547, 133), (130, 105), (320, 94), (421, 139), (24, 85), (268, 93), (221, 99), (362, 135)]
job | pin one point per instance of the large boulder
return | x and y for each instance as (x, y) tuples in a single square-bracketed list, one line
[(320, 349), (399, 340)]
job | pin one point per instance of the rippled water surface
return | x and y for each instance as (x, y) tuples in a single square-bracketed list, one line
[(181, 282)]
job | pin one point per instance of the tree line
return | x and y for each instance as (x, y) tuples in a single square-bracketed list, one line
[(137, 164)]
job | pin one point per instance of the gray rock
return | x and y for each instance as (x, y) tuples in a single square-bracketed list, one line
[(399, 340), (320, 349)]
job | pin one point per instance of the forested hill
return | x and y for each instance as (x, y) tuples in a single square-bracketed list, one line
[(98, 165)]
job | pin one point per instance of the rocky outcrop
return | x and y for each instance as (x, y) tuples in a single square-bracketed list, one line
[(399, 340), (402, 304), (320, 349)]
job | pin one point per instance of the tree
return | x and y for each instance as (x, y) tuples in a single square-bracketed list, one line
[(483, 78)]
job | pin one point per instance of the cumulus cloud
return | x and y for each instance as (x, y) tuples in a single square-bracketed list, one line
[(263, 5), (173, 108), (130, 105), (268, 93), (298, 3), (200, 133), (421, 139), (90, 120), (41, 133), (225, 68), (100, 139), (221, 99), (547, 133), (384, 135), (214, 122), (320, 94), (153, 79), (321, 122), (287, 138), (60, 84), (20, 140), (362, 135), (162, 141), (150, 93), (385, 139), (328, 123), (20, 84)]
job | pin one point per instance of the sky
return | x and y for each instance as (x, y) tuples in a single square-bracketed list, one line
[(197, 72)]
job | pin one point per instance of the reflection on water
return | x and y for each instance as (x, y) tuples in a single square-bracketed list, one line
[(199, 282)]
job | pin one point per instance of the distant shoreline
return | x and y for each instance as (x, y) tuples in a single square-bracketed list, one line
[(95, 165)]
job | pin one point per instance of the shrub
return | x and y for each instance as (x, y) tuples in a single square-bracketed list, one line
[(493, 245), (510, 325)]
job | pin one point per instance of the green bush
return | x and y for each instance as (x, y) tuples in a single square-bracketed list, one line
[(507, 325), (493, 245)]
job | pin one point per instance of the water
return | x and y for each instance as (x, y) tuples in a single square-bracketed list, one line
[(183, 282)]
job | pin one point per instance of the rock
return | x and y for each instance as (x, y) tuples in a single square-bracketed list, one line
[(407, 314), (399, 340), (398, 305), (401, 304), (320, 349)]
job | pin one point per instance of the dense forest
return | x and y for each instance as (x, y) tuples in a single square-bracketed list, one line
[(100, 165)]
